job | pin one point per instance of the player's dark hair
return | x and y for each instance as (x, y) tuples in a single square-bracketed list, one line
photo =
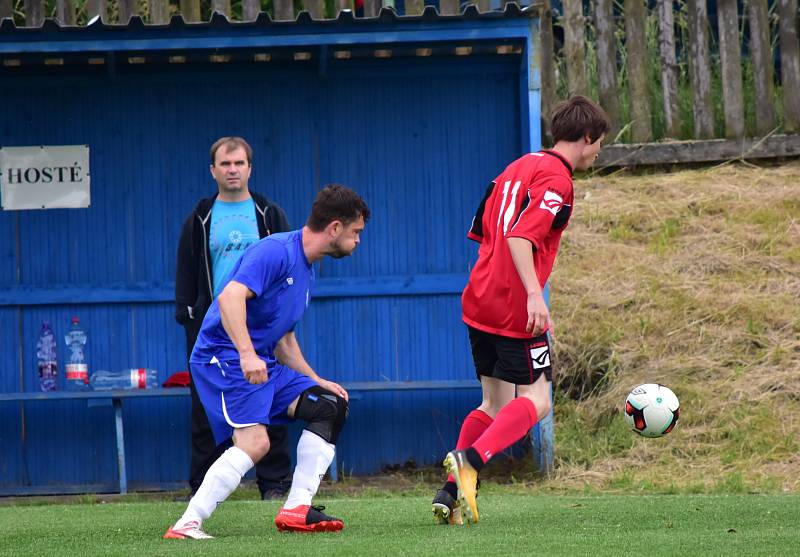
[(577, 117), (336, 202), (231, 143)]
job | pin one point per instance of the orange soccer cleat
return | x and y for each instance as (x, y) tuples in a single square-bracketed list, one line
[(307, 518)]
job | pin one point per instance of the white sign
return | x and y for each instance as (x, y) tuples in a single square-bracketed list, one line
[(48, 177)]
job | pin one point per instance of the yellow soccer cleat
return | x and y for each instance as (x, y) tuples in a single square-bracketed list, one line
[(466, 477)]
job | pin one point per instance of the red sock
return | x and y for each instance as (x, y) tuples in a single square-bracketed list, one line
[(511, 424), (473, 427)]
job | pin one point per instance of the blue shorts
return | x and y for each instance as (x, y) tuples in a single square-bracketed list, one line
[(231, 402)]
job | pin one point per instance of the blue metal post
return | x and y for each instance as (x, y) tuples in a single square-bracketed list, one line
[(542, 434), (123, 478), (334, 469)]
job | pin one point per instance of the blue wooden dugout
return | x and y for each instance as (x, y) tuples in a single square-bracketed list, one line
[(416, 113)]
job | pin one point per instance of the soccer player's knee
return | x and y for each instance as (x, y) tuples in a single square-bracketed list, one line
[(490, 407), (261, 446), (542, 403), (323, 411), (255, 444), (543, 406), (540, 399)]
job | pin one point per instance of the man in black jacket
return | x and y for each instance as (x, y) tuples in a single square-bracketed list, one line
[(213, 238)]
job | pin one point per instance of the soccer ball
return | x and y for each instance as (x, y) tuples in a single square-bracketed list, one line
[(652, 410)]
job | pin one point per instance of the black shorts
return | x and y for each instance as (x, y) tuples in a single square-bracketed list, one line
[(517, 360)]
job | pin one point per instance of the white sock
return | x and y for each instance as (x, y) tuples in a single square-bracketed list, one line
[(221, 479), (314, 455)]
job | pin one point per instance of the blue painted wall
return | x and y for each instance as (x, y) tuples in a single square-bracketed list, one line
[(419, 139)]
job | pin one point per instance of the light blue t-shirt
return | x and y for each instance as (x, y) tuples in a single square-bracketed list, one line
[(278, 273), (233, 229)]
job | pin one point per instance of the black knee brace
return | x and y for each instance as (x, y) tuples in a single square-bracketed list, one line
[(323, 412)]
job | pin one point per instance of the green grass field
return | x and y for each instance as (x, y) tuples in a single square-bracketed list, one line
[(524, 524)]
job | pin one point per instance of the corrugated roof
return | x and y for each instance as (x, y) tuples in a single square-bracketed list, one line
[(438, 35), (219, 21)]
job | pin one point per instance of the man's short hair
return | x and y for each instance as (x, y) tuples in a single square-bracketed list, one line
[(336, 202), (577, 117), (231, 143)]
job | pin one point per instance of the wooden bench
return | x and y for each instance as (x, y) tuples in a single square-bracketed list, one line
[(541, 437)]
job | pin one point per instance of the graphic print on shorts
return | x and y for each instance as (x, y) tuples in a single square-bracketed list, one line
[(540, 355)]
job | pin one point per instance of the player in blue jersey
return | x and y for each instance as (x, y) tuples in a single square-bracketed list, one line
[(251, 373)]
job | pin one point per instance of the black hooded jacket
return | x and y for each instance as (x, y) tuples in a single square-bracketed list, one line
[(193, 278)]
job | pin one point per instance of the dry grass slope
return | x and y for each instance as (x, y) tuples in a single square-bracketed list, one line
[(690, 279)]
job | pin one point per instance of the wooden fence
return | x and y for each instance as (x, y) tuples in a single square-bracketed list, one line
[(662, 69), (665, 70)]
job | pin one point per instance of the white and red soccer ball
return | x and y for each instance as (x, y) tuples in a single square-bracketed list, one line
[(652, 410)]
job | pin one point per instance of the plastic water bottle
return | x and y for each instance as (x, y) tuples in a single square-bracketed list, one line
[(77, 372), (136, 378), (47, 359)]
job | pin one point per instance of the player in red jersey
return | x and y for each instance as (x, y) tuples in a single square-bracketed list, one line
[(518, 225)]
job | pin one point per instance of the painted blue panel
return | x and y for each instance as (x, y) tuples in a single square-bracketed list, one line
[(66, 443), (157, 441), (378, 339), (388, 429), (154, 292), (419, 140), (8, 250), (13, 471), (9, 349), (410, 338), (423, 168)]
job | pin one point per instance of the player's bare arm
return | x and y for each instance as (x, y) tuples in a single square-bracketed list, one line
[(289, 354), (233, 313), (538, 314)]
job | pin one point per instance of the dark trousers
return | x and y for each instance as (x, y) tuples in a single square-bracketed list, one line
[(272, 471)]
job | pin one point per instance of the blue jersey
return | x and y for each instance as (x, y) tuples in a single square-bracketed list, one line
[(276, 270)]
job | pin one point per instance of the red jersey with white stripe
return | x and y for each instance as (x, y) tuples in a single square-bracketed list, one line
[(531, 199)]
